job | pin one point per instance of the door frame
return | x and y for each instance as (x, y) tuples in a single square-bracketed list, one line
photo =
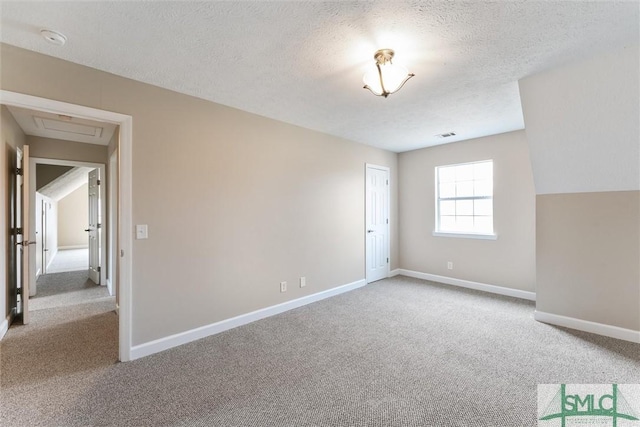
[(387, 169), (41, 239), (103, 211), (112, 220), (124, 201)]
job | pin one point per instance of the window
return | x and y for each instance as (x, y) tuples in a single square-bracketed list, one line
[(464, 198)]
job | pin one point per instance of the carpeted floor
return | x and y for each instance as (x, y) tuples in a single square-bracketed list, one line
[(69, 260), (64, 289), (399, 352)]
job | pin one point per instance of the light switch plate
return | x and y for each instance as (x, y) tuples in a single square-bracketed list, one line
[(141, 231)]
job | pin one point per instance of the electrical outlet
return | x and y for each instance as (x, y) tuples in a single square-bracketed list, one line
[(283, 286), (303, 282), (450, 265)]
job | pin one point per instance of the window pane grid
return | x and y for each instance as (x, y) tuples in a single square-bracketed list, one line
[(465, 198)]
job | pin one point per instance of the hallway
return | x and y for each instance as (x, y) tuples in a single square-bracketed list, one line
[(73, 332)]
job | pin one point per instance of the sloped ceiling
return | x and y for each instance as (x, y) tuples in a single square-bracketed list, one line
[(302, 62), (48, 173), (66, 183)]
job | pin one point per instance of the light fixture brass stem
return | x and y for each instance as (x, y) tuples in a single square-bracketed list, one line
[(384, 91)]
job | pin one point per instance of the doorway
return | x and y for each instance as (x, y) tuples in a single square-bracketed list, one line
[(61, 217), (75, 198), (377, 233), (122, 198), (68, 268)]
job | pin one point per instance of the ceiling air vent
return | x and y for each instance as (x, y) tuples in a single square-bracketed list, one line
[(446, 135)]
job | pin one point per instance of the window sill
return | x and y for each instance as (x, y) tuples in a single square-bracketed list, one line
[(466, 235)]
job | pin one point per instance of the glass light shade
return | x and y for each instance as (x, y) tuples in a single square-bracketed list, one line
[(393, 77)]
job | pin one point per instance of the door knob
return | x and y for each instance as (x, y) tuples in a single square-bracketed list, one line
[(370, 231), (87, 230)]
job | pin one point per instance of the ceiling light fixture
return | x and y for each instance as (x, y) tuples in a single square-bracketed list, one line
[(54, 37), (386, 78)]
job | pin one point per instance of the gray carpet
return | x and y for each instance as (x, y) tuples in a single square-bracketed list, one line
[(400, 352), (64, 289)]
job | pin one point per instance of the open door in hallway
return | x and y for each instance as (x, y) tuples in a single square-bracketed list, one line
[(94, 226), (23, 233)]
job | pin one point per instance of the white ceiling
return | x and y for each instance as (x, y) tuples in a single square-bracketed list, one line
[(302, 62), (67, 128)]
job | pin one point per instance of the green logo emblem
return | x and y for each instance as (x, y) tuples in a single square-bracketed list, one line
[(593, 407)]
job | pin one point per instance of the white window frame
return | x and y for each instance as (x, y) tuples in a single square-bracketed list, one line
[(461, 234)]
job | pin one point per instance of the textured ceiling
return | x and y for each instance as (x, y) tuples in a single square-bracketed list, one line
[(302, 62)]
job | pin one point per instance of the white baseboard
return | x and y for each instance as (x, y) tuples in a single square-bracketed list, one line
[(394, 273), (500, 290), (588, 326), (62, 248), (4, 327), (171, 341)]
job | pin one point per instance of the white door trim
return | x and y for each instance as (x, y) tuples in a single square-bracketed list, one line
[(387, 213), (125, 195), (112, 167)]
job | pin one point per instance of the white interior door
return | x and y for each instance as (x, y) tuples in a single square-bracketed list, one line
[(19, 233), (94, 226), (24, 242), (45, 236), (39, 228), (44, 226), (377, 223)]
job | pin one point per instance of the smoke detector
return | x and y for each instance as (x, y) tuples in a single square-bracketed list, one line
[(54, 37), (446, 135)]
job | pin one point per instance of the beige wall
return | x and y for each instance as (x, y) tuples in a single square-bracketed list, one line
[(235, 202), (588, 253), (12, 137), (583, 130), (508, 261), (47, 148), (73, 218)]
